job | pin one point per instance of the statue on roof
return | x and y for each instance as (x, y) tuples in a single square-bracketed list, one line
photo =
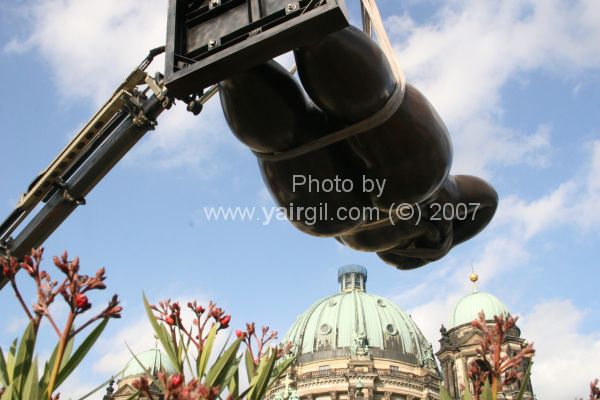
[(361, 344)]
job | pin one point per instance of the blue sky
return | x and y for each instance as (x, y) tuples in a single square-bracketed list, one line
[(515, 81)]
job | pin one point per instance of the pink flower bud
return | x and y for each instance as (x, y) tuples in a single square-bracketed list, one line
[(176, 380), (81, 300), (224, 321)]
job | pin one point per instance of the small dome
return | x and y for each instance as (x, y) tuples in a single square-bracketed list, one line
[(469, 307), (352, 268), (152, 360), (331, 327)]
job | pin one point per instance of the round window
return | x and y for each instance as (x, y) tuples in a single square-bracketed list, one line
[(380, 303), (391, 329), (325, 329)]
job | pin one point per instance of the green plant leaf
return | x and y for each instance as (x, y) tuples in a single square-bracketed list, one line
[(163, 336), (23, 358), (261, 380), (524, 381), (147, 372), (4, 380), (101, 386), (48, 366), (250, 368), (467, 393), (80, 353), (486, 393), (202, 360), (280, 369), (444, 395), (218, 372), (9, 393), (234, 382), (185, 345), (68, 351), (224, 345), (10, 360), (31, 388)]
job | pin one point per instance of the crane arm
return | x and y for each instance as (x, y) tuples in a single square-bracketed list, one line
[(120, 123)]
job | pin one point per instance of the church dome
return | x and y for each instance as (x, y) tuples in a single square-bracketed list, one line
[(152, 360), (334, 326), (469, 307)]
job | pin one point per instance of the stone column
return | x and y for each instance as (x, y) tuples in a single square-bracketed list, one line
[(452, 380), (446, 369)]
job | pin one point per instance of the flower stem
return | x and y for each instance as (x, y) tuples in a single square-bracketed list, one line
[(20, 298), (60, 353), (52, 323)]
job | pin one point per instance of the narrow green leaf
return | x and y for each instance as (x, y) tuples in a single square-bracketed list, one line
[(280, 369), (10, 360), (217, 373), (487, 391), (202, 361), (23, 358), (265, 368), (467, 394), (147, 372), (80, 353), (444, 395), (185, 345), (3, 370), (9, 393), (525, 381), (68, 351), (48, 367), (101, 386), (163, 337), (250, 368), (244, 394), (166, 334), (224, 345), (31, 388), (234, 381)]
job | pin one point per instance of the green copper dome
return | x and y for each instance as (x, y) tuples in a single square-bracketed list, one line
[(359, 323), (469, 307), (152, 360)]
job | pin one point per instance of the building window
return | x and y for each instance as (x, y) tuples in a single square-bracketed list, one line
[(394, 368), (348, 284), (323, 369), (357, 281)]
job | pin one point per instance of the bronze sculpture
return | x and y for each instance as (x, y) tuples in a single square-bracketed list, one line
[(347, 78)]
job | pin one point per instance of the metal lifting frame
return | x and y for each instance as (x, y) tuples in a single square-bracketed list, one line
[(239, 35), (90, 155)]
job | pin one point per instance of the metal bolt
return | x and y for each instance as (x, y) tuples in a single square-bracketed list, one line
[(291, 7), (212, 43)]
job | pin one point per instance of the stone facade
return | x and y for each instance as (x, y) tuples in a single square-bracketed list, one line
[(458, 348), (357, 377)]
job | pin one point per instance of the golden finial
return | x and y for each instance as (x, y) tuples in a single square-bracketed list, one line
[(474, 278)]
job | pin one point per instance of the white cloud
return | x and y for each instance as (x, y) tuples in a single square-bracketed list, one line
[(562, 350), (185, 140), (573, 203), (92, 46), (463, 57), (137, 334)]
